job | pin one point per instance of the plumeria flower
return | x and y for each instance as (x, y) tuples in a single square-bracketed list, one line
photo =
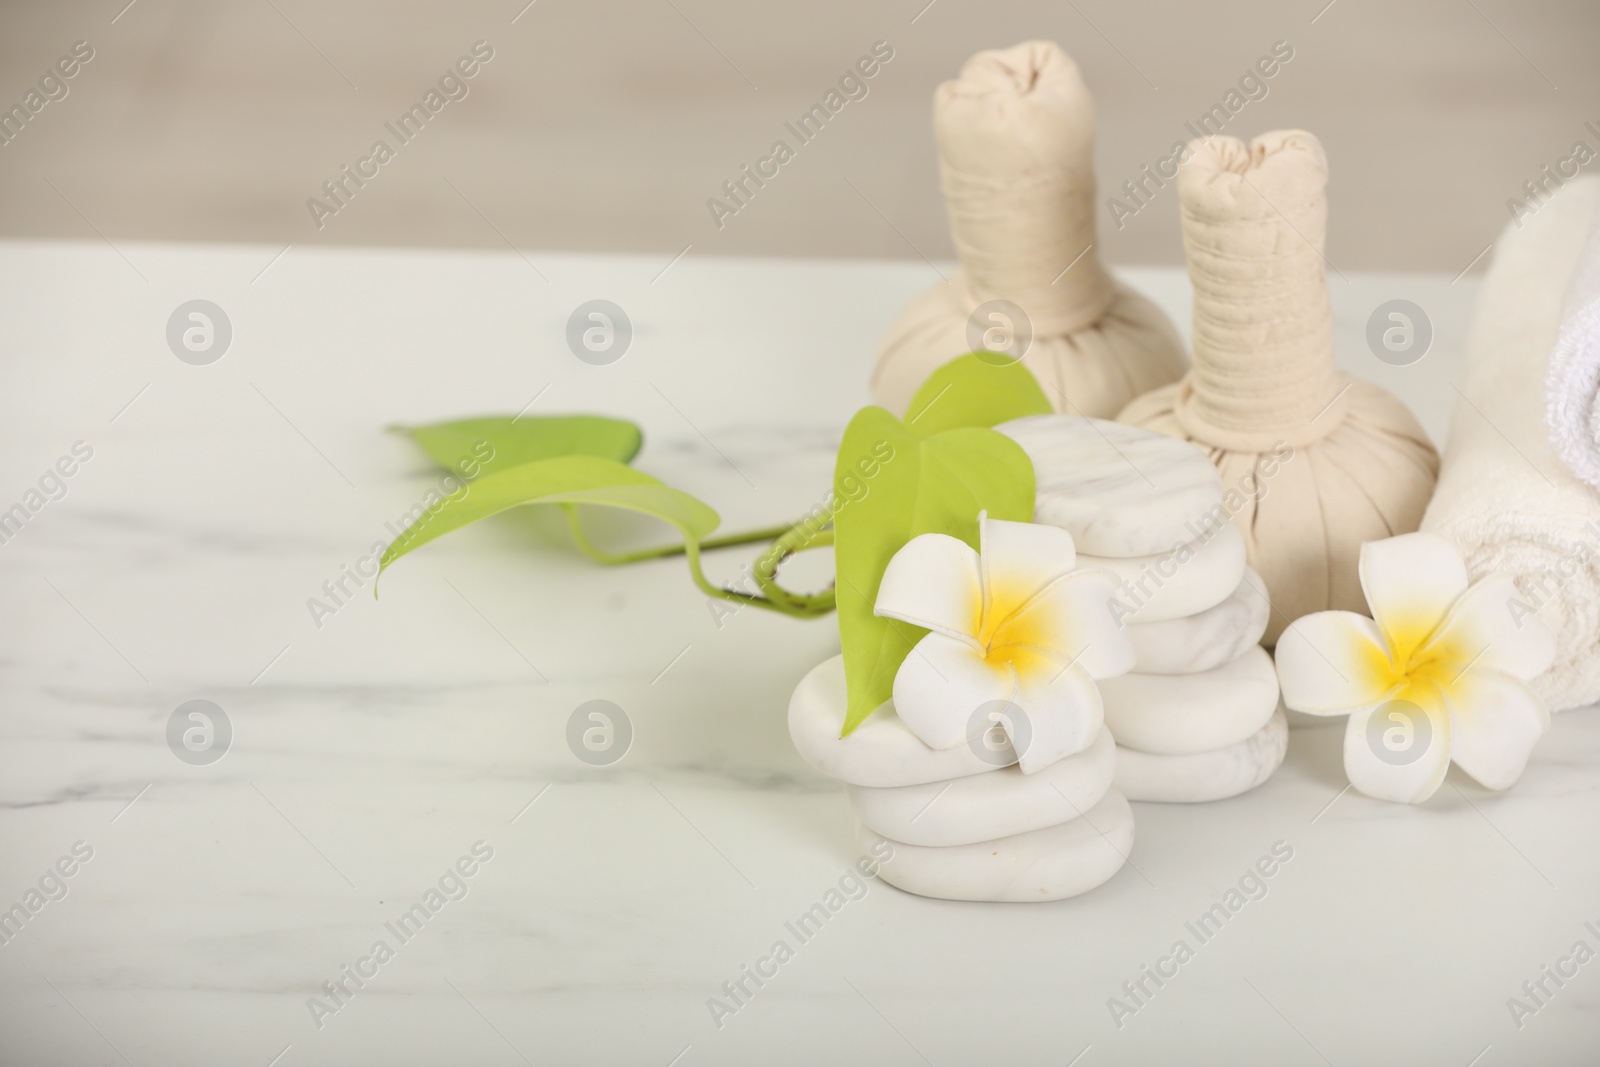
[(1437, 674), (1011, 624)]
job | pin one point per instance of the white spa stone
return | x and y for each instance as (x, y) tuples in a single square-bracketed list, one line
[(1050, 864), (1209, 639), (1119, 490), (1183, 579), (879, 752), (1204, 776), (981, 807), (1179, 714)]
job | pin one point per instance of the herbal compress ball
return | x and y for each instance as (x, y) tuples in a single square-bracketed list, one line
[(1317, 461), (1016, 158)]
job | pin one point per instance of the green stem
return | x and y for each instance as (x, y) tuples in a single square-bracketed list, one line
[(784, 603), (780, 606), (796, 539), (599, 555)]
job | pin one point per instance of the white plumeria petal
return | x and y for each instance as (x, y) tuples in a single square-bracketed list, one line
[(1410, 582), (1399, 750), (941, 684), (1063, 714), (1332, 662), (1019, 559), (1495, 721), (933, 582), (1483, 631), (1071, 621)]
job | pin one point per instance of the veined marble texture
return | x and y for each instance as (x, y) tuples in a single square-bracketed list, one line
[(881, 752), (1053, 863), (1001, 803), (1181, 714), (1204, 776), (1183, 580), (1118, 489), (1199, 642), (369, 754)]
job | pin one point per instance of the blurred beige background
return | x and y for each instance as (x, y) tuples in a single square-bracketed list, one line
[(608, 125)]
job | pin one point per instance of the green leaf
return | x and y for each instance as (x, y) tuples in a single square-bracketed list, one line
[(944, 466), (917, 484), (567, 480), (972, 391), (494, 443)]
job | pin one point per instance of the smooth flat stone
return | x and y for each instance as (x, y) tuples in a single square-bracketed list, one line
[(1051, 864), (1179, 714), (1208, 639), (1120, 490), (1179, 581), (981, 807), (882, 751), (1204, 776)]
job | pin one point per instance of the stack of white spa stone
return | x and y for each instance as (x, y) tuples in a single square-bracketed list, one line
[(1198, 717), (965, 823)]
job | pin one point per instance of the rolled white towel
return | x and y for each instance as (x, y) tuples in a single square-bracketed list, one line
[(1572, 382), (1503, 497)]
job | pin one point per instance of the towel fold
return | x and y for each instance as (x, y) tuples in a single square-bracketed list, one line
[(1504, 497), (1572, 384)]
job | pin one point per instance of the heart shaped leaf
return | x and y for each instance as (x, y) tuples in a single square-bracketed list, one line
[(494, 443), (932, 484), (567, 480), (977, 389)]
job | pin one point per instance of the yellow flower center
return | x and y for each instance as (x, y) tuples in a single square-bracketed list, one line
[(1020, 640), (1416, 658)]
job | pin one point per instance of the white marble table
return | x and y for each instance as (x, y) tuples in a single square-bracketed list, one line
[(371, 753)]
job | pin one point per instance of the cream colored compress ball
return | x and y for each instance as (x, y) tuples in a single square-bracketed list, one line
[(1318, 461), (1016, 157)]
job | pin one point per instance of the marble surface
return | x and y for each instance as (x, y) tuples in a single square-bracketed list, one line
[(882, 752), (1201, 777), (1220, 634), (1053, 863), (370, 754), (1119, 490), (1182, 714), (1002, 803), (1185, 580)]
